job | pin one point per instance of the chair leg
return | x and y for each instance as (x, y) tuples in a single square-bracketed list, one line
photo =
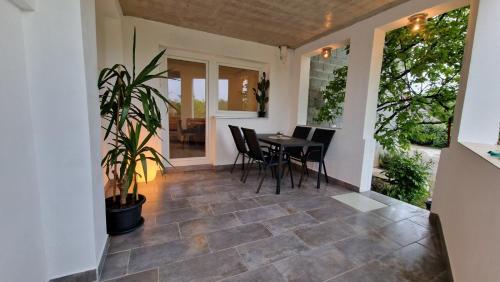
[(290, 171), (261, 180), (302, 172), (243, 162), (324, 171), (319, 175), (237, 156), (247, 172)]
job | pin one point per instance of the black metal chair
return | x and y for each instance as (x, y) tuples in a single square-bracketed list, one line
[(297, 153), (256, 154), (301, 132), (240, 146), (313, 154)]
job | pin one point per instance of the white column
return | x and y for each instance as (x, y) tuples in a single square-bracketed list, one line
[(358, 144), (478, 122)]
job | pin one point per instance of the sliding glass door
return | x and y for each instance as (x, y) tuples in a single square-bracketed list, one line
[(187, 89)]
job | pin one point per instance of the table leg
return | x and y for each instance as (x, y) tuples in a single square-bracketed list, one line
[(278, 177), (319, 167)]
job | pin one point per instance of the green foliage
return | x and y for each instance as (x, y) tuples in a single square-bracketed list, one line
[(199, 109), (333, 97), (261, 95), (128, 105), (419, 79), (407, 177), (430, 135)]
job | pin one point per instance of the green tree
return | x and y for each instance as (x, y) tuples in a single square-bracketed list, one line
[(419, 80)]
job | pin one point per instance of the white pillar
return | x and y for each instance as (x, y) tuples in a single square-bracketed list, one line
[(478, 120), (365, 61)]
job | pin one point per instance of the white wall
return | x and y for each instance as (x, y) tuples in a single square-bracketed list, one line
[(213, 49), (55, 222), (88, 10), (466, 194), (22, 255), (350, 157), (63, 142)]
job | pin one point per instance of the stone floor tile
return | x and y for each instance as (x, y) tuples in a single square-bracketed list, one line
[(400, 212), (307, 204), (115, 265), (422, 220), (267, 273), (289, 222), (363, 248), (153, 256), (231, 237), (271, 199), (208, 224), (260, 213), (144, 237), (207, 199), (374, 271), (325, 233), (181, 215), (336, 210), (433, 243), (162, 206), (366, 221), (269, 250), (145, 276), (211, 267), (404, 232), (228, 207), (414, 262), (381, 198), (316, 265), (443, 277)]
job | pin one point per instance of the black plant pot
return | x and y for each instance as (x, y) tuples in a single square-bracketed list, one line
[(428, 204), (121, 220), (261, 114)]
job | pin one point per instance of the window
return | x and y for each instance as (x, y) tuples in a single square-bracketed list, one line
[(235, 89), (327, 79)]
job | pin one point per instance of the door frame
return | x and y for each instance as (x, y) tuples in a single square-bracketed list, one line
[(177, 54)]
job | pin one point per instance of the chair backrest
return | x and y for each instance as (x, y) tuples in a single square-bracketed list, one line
[(301, 132), (238, 139), (254, 149), (323, 136)]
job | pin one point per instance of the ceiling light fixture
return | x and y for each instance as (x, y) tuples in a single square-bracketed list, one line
[(417, 22), (326, 52)]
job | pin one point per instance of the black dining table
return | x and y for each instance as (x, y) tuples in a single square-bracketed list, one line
[(282, 142)]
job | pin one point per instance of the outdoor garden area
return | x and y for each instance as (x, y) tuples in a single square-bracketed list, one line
[(418, 87)]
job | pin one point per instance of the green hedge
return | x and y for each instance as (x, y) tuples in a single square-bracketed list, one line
[(430, 135), (408, 177)]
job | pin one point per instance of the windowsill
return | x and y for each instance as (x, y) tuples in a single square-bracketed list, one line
[(238, 117), (482, 150), (324, 127)]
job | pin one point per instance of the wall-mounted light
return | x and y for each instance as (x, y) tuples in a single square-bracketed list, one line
[(283, 52), (417, 22), (326, 52)]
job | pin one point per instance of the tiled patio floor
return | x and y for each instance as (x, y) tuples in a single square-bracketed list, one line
[(208, 226)]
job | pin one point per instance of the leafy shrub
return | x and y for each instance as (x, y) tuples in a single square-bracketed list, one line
[(407, 177), (430, 135)]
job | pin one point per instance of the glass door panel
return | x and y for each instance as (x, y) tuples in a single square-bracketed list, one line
[(186, 88)]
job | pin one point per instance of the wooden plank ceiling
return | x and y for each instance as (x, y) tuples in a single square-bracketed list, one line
[(272, 22)]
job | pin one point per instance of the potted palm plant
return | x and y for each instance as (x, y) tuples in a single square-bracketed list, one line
[(131, 117), (261, 95)]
